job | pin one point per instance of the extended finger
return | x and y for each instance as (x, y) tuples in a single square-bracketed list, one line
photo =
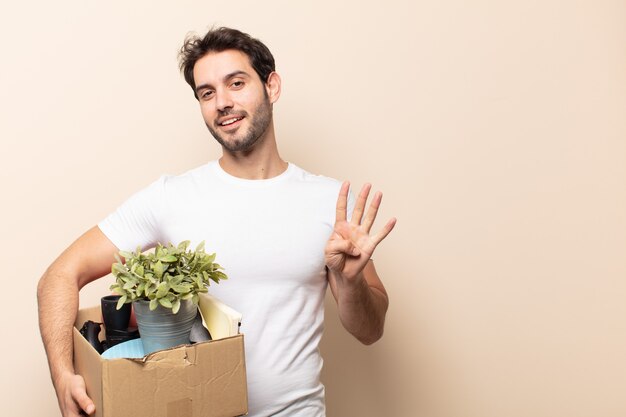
[(342, 202), (359, 207), (370, 216), (384, 231)]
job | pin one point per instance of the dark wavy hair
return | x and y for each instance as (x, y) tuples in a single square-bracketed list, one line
[(222, 39)]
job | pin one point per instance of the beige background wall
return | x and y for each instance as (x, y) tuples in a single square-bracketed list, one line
[(496, 130)]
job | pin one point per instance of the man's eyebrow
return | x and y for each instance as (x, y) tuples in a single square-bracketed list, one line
[(235, 74), (225, 78)]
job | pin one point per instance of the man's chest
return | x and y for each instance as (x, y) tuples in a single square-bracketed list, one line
[(268, 236)]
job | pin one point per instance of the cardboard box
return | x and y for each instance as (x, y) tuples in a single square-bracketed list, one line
[(206, 379)]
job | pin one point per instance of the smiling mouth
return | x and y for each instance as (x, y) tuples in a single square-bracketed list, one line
[(230, 121)]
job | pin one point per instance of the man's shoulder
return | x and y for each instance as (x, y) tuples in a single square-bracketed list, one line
[(314, 179)]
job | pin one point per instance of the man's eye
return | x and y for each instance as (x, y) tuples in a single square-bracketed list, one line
[(206, 94), (237, 84)]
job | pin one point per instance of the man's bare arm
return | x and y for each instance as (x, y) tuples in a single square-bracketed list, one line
[(360, 294), (88, 258), (362, 303)]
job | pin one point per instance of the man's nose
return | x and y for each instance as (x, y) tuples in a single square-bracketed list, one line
[(223, 101)]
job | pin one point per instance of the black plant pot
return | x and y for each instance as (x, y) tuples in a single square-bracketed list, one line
[(116, 321)]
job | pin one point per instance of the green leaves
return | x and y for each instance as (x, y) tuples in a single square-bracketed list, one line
[(168, 258), (121, 301), (165, 302), (158, 270), (162, 290), (165, 276)]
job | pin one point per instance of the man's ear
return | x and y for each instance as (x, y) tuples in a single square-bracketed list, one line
[(272, 86)]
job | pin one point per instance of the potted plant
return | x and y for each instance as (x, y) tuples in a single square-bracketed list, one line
[(163, 286)]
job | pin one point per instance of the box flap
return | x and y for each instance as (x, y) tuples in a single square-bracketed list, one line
[(88, 364), (84, 314)]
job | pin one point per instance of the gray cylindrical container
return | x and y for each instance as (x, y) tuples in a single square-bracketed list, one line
[(160, 328)]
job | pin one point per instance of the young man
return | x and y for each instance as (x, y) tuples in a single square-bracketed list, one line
[(281, 233)]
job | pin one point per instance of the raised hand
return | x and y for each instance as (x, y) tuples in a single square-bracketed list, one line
[(351, 245)]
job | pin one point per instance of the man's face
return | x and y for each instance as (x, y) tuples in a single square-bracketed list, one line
[(233, 100)]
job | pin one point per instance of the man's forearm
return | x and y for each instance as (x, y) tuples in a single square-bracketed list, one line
[(57, 298), (362, 308), (87, 259)]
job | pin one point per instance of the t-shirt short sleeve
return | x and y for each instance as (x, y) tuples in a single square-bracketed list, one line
[(136, 221)]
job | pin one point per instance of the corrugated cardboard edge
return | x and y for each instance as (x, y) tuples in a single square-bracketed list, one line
[(88, 363), (161, 355)]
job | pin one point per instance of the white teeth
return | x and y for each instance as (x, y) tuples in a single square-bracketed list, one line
[(230, 121)]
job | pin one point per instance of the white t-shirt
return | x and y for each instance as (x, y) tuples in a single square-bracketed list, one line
[(269, 235)]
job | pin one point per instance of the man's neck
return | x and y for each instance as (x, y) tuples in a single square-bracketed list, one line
[(259, 163), (246, 168)]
